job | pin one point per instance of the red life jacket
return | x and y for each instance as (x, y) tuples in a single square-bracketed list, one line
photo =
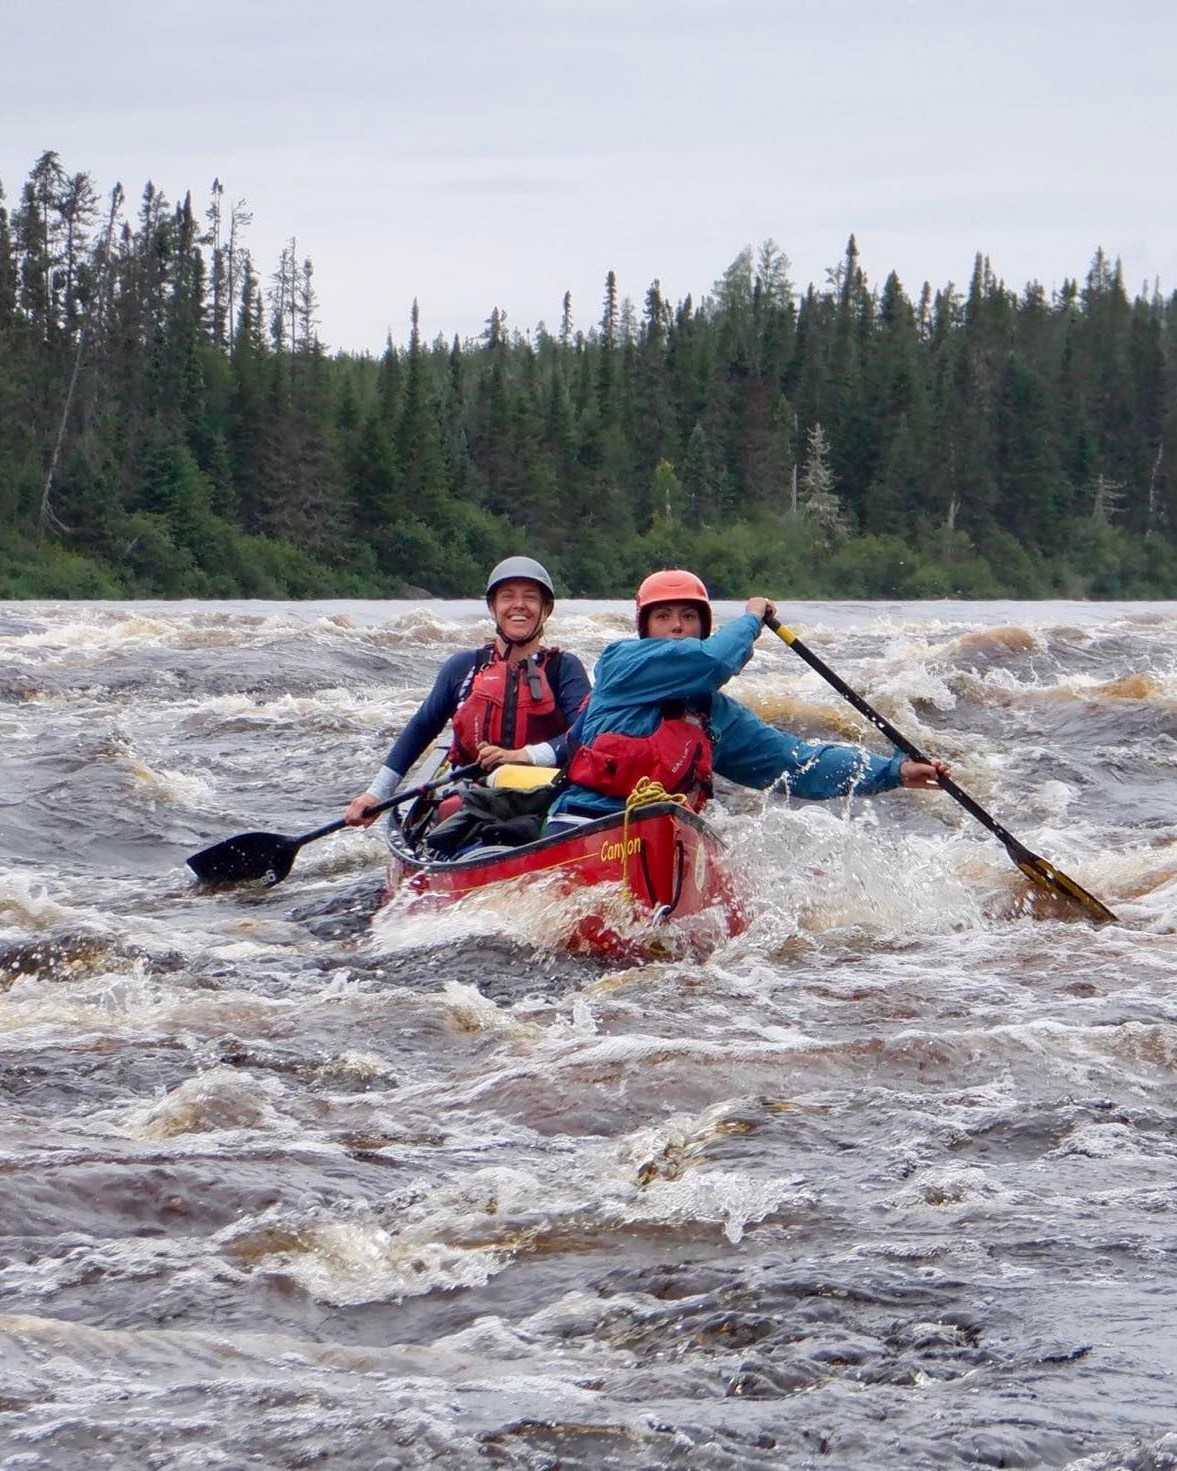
[(677, 753), (507, 704)]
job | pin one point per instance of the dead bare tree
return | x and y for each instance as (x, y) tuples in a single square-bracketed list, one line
[(46, 517)]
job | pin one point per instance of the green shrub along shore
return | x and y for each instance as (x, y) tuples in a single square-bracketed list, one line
[(171, 427)]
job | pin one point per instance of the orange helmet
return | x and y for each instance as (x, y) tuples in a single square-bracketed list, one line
[(673, 585)]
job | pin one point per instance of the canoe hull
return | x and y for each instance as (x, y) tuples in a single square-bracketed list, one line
[(666, 859)]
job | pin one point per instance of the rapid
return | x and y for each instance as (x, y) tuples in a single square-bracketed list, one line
[(287, 1179)]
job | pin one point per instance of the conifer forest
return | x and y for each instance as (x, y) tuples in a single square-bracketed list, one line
[(171, 425)]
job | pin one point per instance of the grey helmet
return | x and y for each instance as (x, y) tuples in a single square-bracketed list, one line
[(524, 568)]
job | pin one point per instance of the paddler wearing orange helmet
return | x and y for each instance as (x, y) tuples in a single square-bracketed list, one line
[(656, 711)]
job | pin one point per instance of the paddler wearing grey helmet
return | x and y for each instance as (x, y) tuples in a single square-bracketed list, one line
[(510, 700)]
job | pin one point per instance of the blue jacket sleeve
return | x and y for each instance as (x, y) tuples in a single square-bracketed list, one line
[(651, 671), (430, 719), (756, 754)]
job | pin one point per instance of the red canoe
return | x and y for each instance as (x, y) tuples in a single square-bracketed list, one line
[(669, 860)]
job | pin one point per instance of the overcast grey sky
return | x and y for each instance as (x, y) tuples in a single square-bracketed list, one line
[(475, 153)]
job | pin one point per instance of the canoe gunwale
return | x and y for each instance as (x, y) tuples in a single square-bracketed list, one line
[(413, 864)]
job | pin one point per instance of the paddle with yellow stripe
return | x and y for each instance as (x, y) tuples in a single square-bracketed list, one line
[(1038, 870)]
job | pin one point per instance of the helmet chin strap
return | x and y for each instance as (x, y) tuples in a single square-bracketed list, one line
[(518, 643)]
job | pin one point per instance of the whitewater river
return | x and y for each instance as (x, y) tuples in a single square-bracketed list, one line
[(889, 1180)]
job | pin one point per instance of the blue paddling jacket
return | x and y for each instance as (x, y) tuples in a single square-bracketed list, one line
[(634, 680)]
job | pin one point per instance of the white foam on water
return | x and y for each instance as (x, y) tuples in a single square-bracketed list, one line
[(213, 1101), (541, 912), (357, 1262), (118, 1005), (731, 1199), (177, 788), (25, 903), (940, 1188), (1109, 1140), (830, 873), (470, 1010)]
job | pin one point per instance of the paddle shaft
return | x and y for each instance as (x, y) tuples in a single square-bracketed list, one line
[(896, 737), (1039, 870), (459, 773), (251, 855)]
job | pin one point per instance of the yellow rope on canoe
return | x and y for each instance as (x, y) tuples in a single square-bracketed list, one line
[(644, 794), (648, 791)]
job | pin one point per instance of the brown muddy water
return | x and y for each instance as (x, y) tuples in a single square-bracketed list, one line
[(890, 1180)]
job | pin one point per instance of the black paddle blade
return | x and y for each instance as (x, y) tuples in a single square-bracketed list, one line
[(266, 856), (270, 856), (1055, 882)]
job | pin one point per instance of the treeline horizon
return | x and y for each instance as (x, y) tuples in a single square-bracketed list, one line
[(171, 426)]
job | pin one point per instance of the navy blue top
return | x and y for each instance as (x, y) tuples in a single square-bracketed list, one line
[(569, 686)]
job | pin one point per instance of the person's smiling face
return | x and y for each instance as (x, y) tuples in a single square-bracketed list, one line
[(518, 608)]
